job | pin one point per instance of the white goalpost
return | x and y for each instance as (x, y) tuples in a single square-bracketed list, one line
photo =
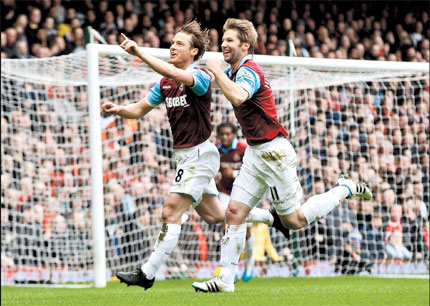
[(96, 167), (82, 193)]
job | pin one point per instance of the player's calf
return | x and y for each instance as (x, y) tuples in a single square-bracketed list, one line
[(277, 223)]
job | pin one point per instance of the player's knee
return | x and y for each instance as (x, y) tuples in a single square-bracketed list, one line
[(166, 218), (302, 221), (294, 221), (212, 220), (220, 218), (232, 214), (296, 224), (169, 213), (215, 218)]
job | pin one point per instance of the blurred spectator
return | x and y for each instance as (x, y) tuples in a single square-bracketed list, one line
[(395, 247), (22, 50), (350, 260), (108, 26), (7, 239), (59, 242), (194, 239), (30, 239), (426, 239), (140, 243), (10, 42), (412, 228), (394, 223), (366, 36), (374, 239), (35, 19)]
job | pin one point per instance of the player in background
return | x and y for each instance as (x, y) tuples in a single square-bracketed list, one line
[(186, 91), (231, 152), (270, 162)]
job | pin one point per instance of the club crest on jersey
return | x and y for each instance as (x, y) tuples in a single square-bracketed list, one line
[(181, 87), (177, 101), (236, 157)]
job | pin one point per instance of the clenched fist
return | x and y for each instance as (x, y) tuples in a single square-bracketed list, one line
[(213, 64), (110, 108), (130, 46)]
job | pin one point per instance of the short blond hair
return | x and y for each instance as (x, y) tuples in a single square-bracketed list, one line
[(245, 29)]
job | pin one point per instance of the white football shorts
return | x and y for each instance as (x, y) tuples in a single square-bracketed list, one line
[(195, 171), (269, 166)]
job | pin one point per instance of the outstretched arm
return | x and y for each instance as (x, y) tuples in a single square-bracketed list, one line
[(130, 111), (233, 92), (156, 64)]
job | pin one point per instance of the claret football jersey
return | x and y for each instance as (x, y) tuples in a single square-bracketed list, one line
[(230, 158), (257, 116), (188, 108)]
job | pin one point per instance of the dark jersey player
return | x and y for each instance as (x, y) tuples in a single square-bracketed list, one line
[(270, 162), (231, 152), (186, 92)]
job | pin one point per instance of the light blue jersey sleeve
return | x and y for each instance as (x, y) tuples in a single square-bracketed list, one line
[(226, 72), (248, 79), (201, 82), (154, 95)]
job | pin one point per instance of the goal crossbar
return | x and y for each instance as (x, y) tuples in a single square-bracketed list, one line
[(362, 65)]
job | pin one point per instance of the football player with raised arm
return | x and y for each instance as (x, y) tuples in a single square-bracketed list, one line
[(185, 89), (270, 162), (186, 92)]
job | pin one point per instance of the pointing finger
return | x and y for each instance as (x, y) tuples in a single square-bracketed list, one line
[(123, 36)]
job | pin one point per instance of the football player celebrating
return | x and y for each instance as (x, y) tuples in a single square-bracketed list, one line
[(187, 94), (270, 162)]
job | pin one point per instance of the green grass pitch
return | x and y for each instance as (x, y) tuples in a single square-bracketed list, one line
[(344, 290)]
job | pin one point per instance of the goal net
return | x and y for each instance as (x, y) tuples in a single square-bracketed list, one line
[(369, 121)]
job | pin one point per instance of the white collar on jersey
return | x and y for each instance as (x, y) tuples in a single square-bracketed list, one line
[(244, 59)]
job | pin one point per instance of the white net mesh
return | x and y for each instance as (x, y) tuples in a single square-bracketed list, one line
[(373, 125)]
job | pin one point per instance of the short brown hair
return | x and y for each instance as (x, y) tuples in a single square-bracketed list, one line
[(245, 29), (199, 37)]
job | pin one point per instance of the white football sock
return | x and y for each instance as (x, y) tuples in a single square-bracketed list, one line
[(250, 261), (318, 206), (166, 242), (260, 215), (341, 192), (232, 245), (184, 218)]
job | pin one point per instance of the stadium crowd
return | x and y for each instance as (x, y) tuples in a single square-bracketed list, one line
[(370, 30), (377, 132)]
